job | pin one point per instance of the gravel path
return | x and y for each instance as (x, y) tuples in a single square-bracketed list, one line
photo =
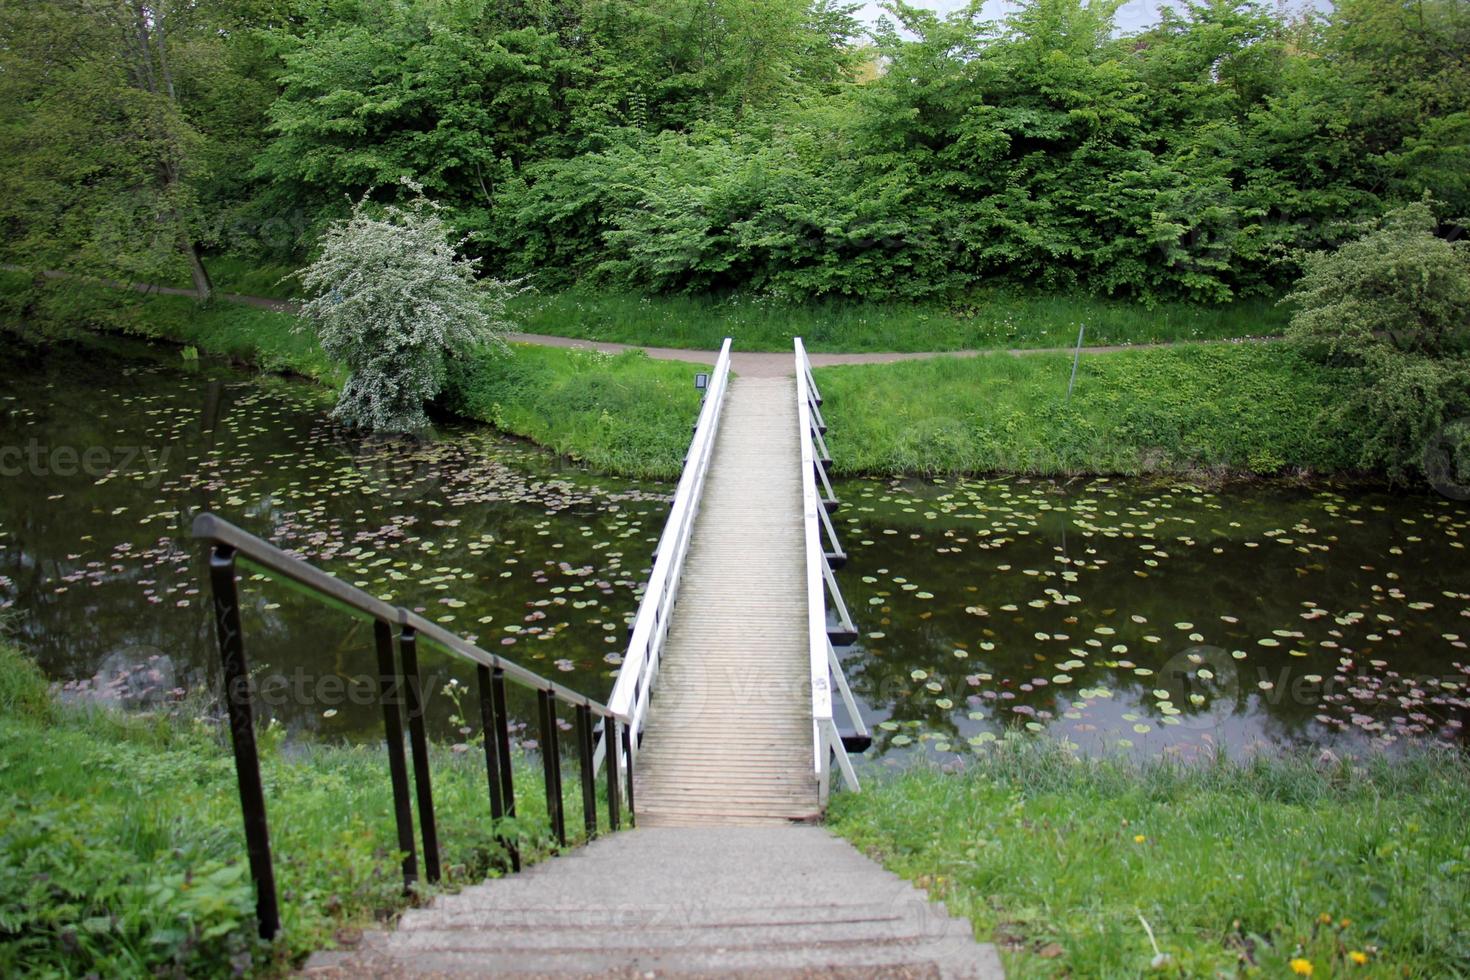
[(773, 365), (753, 364)]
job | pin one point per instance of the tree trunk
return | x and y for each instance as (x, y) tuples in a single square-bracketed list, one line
[(203, 287)]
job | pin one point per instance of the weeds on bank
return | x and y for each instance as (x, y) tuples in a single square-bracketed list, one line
[(1116, 868), (122, 850)]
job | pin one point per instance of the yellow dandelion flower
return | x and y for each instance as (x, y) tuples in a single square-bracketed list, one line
[(1358, 956), (1325, 918), (1301, 967), (1139, 838)]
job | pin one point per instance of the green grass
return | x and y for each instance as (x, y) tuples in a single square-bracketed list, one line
[(987, 321), (122, 853), (991, 319), (247, 277), (1240, 867), (627, 415), (258, 337), (1240, 408)]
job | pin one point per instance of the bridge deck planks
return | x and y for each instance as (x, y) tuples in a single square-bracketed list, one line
[(729, 734)]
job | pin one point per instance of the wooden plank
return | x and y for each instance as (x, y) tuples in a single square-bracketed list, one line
[(729, 729)]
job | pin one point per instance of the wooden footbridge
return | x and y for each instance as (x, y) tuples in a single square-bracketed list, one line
[(719, 740)]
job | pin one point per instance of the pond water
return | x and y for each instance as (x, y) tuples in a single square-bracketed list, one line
[(108, 450), (1117, 615), (1155, 619)]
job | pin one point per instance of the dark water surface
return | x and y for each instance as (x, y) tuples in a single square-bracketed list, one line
[(1156, 619), (1118, 615), (110, 451)]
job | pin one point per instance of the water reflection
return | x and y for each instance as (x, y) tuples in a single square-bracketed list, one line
[(1155, 619), (111, 449)]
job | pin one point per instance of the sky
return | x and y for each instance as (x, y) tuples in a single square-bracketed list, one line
[(1133, 15)]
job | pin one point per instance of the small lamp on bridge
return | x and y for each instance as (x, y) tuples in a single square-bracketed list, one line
[(701, 381)]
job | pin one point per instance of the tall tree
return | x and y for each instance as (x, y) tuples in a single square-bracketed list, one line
[(104, 163)]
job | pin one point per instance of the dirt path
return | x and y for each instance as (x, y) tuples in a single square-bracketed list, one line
[(753, 364)]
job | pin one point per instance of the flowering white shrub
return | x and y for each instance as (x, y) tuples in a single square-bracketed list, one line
[(390, 298)]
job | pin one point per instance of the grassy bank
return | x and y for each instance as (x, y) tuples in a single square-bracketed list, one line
[(981, 321), (992, 320), (627, 415), (1236, 869), (1242, 407), (1252, 408), (122, 853)]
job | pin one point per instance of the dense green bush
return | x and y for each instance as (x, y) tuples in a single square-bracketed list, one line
[(769, 146), (391, 299), (1390, 311), (1189, 161)]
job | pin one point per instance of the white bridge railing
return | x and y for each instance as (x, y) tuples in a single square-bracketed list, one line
[(640, 665), (816, 506)]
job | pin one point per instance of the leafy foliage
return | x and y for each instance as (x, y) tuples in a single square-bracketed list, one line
[(1391, 311), (692, 146), (121, 852), (390, 299)]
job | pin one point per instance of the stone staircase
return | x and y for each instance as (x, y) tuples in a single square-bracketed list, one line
[(682, 901)]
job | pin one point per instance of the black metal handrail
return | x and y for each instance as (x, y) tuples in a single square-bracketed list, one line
[(399, 682)]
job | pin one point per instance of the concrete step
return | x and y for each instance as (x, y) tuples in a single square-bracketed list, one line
[(945, 959), (554, 935), (689, 902), (600, 916)]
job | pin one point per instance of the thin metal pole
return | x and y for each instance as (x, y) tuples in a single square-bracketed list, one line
[(502, 750), (613, 750), (589, 778), (419, 743), (1076, 356), (238, 702), (628, 754), (551, 760), (389, 697), (492, 755)]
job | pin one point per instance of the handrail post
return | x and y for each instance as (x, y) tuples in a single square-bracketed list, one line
[(589, 779), (551, 761), (400, 689), (487, 725), (390, 699), (628, 755), (238, 703), (502, 751), (419, 743), (614, 749)]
